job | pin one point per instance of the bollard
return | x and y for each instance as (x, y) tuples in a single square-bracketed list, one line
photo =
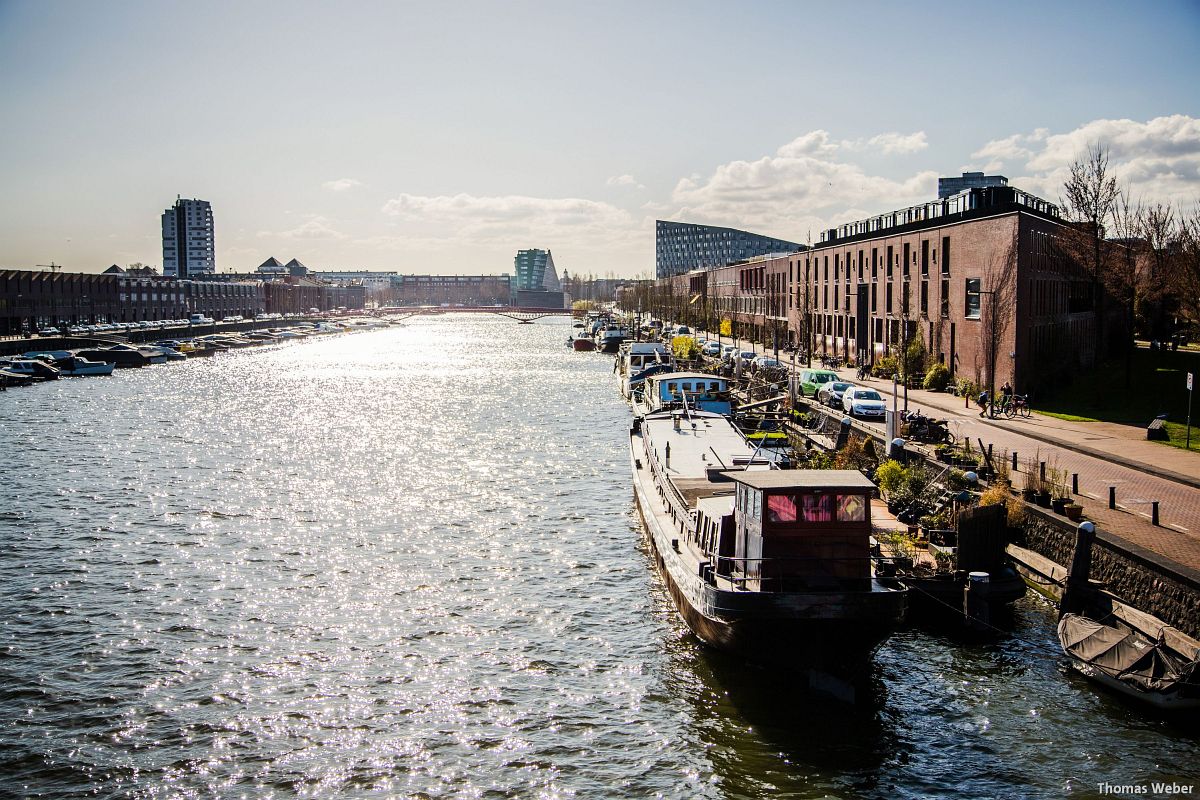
[(1154, 513), (1014, 466), (1112, 497), (975, 600), (1076, 591), (1074, 483), (1042, 469)]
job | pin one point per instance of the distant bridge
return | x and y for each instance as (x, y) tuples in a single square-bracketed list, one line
[(522, 314)]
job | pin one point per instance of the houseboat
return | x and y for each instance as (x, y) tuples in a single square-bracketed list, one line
[(610, 337), (695, 390), (639, 360), (773, 565)]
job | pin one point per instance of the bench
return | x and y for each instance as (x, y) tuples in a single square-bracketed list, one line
[(1157, 430)]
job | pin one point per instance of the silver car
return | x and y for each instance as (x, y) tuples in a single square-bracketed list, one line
[(860, 402)]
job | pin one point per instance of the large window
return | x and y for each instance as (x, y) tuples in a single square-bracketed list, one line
[(974, 305), (781, 508), (818, 507), (852, 508)]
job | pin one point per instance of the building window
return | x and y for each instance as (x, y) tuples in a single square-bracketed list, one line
[(945, 298), (973, 298), (945, 255), (924, 298)]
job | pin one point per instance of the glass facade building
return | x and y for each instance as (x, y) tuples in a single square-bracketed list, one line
[(681, 247)]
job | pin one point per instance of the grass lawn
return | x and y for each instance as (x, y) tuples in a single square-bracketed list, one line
[(1158, 382)]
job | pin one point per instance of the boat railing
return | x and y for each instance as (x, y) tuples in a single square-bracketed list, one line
[(789, 573), (675, 502)]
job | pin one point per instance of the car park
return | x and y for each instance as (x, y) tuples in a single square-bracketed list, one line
[(862, 402), (811, 380), (831, 392)]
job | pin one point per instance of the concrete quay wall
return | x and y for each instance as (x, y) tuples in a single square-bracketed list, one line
[(1139, 577)]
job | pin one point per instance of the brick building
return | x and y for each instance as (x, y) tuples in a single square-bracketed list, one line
[(975, 278)]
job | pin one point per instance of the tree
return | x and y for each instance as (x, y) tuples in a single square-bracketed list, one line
[(1159, 231), (999, 302), (1185, 272), (1089, 196), (1126, 274)]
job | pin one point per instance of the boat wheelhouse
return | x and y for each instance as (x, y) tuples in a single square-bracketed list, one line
[(695, 390), (638, 360), (774, 565)]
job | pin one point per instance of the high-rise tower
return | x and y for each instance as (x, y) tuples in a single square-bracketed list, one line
[(188, 242)]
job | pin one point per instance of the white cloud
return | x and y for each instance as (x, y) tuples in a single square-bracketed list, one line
[(624, 180), (806, 186), (341, 184), (313, 227), (1159, 158)]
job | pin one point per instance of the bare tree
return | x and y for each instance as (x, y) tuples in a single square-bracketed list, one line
[(1159, 231), (1090, 194), (1185, 272), (1126, 272), (996, 314)]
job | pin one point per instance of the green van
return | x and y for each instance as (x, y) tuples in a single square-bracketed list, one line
[(813, 379)]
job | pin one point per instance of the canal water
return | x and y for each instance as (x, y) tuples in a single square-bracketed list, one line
[(405, 563)]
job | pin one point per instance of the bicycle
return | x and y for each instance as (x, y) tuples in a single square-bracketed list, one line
[(1020, 405)]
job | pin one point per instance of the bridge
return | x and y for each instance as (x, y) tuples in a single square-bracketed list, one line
[(522, 314)]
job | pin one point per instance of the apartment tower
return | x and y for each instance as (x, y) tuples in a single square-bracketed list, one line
[(188, 241)]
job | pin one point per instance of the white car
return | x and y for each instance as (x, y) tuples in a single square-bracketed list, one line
[(711, 349), (862, 402), (764, 361)]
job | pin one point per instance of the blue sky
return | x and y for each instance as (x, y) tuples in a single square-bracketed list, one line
[(442, 137)]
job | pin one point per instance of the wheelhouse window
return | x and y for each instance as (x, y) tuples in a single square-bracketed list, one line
[(781, 508), (818, 508), (852, 508)]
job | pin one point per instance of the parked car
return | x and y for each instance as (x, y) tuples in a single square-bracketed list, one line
[(861, 402), (49, 332), (711, 349), (831, 392), (728, 350), (745, 357), (764, 361), (811, 380)]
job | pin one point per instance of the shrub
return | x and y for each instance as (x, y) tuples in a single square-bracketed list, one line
[(885, 367), (994, 496), (685, 348), (1016, 512), (891, 476), (937, 378), (966, 388)]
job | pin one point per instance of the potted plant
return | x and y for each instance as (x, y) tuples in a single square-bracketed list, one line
[(1033, 482), (1074, 511)]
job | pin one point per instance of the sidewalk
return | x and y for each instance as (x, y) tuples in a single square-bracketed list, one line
[(1121, 444)]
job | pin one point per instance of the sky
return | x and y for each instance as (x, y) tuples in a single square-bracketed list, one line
[(442, 137)]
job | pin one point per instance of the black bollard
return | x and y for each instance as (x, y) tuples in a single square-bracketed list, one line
[(1076, 591), (1014, 466), (1074, 483), (1154, 513), (975, 600), (1112, 497)]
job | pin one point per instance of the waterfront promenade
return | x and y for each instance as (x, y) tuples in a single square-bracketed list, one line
[(1102, 454)]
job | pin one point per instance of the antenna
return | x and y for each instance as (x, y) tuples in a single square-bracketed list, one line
[(52, 267)]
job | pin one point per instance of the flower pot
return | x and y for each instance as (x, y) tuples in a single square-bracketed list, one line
[(1073, 511), (1058, 503), (1029, 495), (1043, 499)]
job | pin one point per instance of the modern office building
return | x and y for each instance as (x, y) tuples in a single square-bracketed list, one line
[(535, 271), (452, 290), (969, 180), (189, 248), (681, 247)]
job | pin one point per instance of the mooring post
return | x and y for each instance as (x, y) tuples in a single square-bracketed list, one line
[(1074, 597), (1074, 483), (1014, 454), (1154, 513), (1042, 470), (975, 600), (1112, 497)]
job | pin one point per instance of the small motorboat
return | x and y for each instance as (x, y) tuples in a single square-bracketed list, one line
[(76, 366), (1163, 673), (33, 368), (583, 344)]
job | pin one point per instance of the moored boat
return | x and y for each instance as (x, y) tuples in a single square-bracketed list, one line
[(639, 360), (583, 344), (773, 565), (1163, 673), (696, 390)]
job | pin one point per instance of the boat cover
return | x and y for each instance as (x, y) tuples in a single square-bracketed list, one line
[(1126, 655)]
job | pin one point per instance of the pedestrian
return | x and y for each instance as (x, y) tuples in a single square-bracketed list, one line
[(983, 402)]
